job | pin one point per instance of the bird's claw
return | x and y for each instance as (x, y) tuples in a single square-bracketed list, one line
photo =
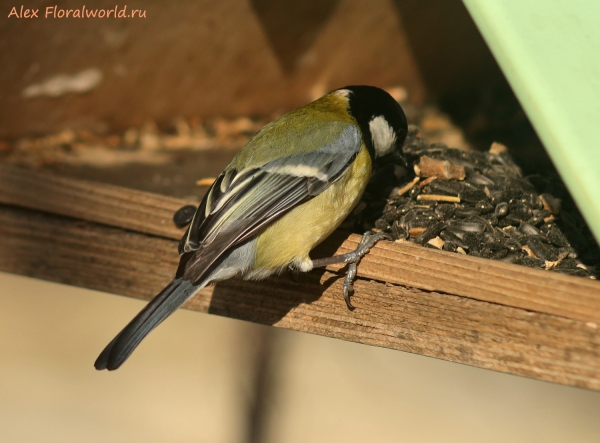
[(349, 284), (367, 241)]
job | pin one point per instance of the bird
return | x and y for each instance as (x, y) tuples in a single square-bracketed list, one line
[(287, 189)]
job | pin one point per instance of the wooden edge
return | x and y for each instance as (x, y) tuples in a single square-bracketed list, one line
[(445, 326), (401, 263), (85, 200)]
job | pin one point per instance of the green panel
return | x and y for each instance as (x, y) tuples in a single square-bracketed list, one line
[(550, 52)]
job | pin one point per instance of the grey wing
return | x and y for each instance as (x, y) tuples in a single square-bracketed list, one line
[(240, 203)]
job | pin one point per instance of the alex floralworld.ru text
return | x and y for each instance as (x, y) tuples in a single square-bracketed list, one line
[(83, 12)]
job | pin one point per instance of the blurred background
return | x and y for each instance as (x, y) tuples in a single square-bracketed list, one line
[(159, 100)]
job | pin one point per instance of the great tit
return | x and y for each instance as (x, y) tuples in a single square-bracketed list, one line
[(288, 188)]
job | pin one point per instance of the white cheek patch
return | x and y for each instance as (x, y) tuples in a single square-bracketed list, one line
[(383, 135)]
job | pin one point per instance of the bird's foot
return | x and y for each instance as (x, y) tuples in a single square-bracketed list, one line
[(368, 240)]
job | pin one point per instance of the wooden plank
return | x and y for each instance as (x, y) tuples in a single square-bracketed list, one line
[(98, 202), (445, 326), (400, 263)]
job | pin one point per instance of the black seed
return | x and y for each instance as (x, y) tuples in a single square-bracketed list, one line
[(512, 245), (444, 187), (484, 207), (499, 254), (494, 246), (414, 192), (183, 216), (473, 242), (399, 232), (429, 233), (478, 179), (445, 211), (501, 209), (471, 195), (531, 200), (391, 215), (491, 219), (513, 232), (512, 257), (382, 224), (545, 252), (521, 210), (579, 272), (541, 213), (569, 250), (528, 229), (532, 262), (449, 246), (504, 196), (557, 237), (468, 225), (485, 252), (568, 263), (535, 220), (406, 209), (512, 220), (462, 212), (449, 236)]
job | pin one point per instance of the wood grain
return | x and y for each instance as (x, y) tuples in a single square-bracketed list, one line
[(450, 327), (98, 202), (400, 263)]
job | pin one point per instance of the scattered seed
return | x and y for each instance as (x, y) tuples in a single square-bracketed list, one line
[(435, 197), (414, 191), (205, 181), (407, 187), (528, 229), (462, 212), (501, 209), (426, 182), (555, 236), (449, 236), (444, 211), (183, 216), (415, 232), (429, 233), (468, 225), (531, 262), (541, 250), (472, 195), (484, 207), (445, 187)]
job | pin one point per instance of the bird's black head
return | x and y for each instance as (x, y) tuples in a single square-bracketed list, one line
[(380, 117)]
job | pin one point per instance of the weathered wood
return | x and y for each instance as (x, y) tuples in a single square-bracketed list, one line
[(98, 202), (445, 326), (400, 263)]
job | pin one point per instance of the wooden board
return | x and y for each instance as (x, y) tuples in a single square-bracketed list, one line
[(535, 323), (400, 263)]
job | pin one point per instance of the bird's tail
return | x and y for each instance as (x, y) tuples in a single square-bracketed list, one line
[(164, 304)]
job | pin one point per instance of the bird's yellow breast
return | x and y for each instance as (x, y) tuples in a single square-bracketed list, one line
[(289, 240)]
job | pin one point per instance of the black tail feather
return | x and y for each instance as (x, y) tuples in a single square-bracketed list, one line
[(164, 304)]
